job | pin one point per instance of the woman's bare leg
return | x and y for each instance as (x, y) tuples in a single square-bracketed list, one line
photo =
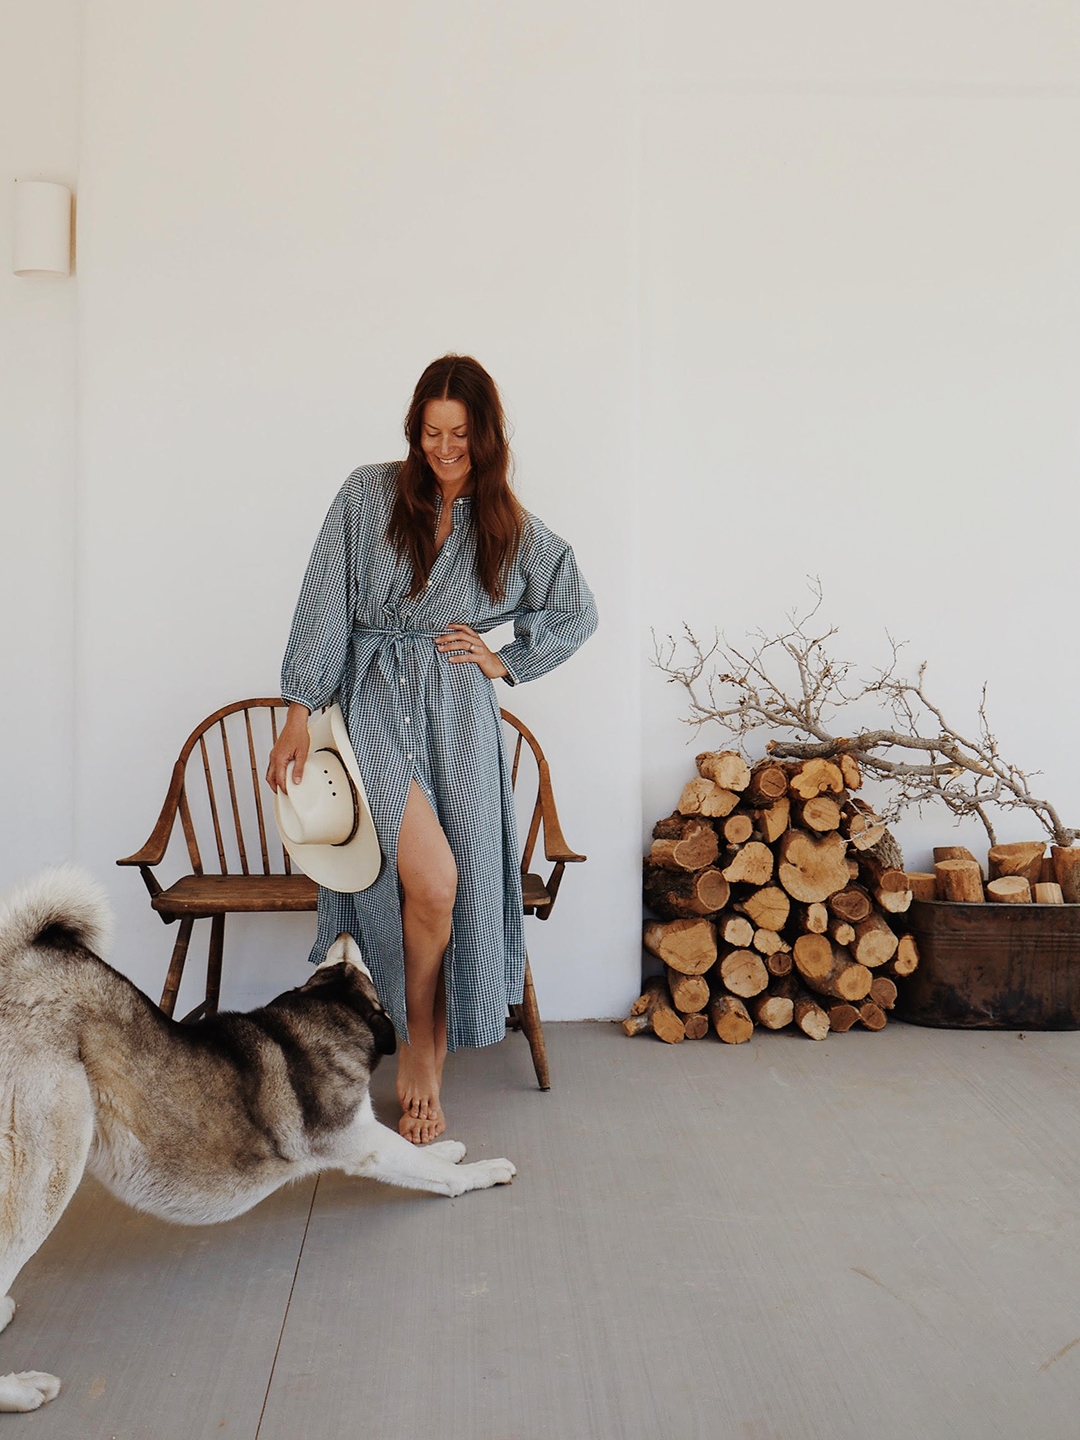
[(429, 887)]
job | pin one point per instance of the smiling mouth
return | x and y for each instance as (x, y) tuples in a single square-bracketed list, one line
[(454, 461)]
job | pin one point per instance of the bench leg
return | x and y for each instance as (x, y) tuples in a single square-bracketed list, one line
[(176, 966), (213, 964), (528, 1013)]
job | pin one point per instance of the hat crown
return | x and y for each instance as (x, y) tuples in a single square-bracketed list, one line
[(322, 808)]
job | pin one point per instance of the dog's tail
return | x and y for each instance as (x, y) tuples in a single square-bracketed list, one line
[(59, 908)]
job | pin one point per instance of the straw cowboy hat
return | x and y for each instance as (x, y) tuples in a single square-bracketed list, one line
[(324, 821)]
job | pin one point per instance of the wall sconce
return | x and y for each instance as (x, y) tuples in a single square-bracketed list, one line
[(42, 228)]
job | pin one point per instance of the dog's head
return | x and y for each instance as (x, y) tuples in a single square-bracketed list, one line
[(350, 979)]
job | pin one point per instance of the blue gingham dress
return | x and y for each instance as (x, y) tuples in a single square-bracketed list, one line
[(412, 715)]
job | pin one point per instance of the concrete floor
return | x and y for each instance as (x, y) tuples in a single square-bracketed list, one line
[(874, 1238)]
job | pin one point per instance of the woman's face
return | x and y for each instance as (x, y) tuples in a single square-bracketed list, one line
[(444, 438)]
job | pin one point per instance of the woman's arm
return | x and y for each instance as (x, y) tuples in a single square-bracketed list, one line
[(556, 614), (290, 748)]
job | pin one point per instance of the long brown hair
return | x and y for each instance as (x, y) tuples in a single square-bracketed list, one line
[(498, 519)]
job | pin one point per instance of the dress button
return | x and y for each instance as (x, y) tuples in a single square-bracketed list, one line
[(408, 757), (406, 719)]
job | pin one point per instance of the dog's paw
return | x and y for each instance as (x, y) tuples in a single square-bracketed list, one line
[(452, 1150), (482, 1175), (7, 1310), (28, 1390)]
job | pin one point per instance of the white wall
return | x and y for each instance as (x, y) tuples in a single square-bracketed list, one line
[(770, 290)]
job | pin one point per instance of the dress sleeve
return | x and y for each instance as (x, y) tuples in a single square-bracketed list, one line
[(557, 612), (318, 647)]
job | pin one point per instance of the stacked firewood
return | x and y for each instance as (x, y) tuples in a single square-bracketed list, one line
[(776, 893), (1019, 874)]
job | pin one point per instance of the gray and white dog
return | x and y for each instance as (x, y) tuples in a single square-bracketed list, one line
[(192, 1123)]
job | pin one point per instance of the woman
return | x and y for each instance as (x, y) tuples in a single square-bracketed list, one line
[(415, 562)]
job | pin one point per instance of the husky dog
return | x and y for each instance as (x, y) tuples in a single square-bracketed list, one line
[(192, 1123)]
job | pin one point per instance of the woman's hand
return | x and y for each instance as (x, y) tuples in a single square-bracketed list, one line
[(291, 748), (460, 643)]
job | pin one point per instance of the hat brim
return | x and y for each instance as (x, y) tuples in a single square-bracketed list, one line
[(356, 864)]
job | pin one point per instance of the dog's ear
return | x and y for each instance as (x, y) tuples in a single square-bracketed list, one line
[(382, 1028), (328, 975)]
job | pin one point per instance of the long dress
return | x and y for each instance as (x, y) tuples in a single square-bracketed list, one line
[(413, 715)]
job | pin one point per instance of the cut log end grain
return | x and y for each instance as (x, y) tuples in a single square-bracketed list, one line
[(768, 908), (883, 992), (816, 777), (959, 880), (772, 1012), (691, 846), (923, 886), (652, 1011), (773, 820), (1049, 893), (875, 943), (676, 894), (725, 768), (872, 1016), (688, 946), (1023, 859), (768, 782), (853, 903), (842, 1014), (820, 814), (813, 919), (813, 955), (1009, 890), (813, 869), (849, 769), (731, 1019), (780, 963), (1067, 871), (737, 829), (743, 972), (906, 960), (811, 1019), (695, 1026), (750, 865), (688, 992), (842, 932), (768, 942), (735, 930), (861, 826), (704, 797)]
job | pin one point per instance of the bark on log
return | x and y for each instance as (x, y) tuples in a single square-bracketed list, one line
[(875, 943), (688, 946), (695, 1026), (737, 829), (952, 852), (922, 884), (838, 976), (1009, 890), (1023, 859), (652, 1011), (773, 820), (734, 930), (743, 973), (959, 880), (1067, 871), (677, 895), (692, 849), (688, 992), (769, 907), (731, 1019), (821, 814), (815, 777), (725, 768), (750, 865), (811, 1019), (812, 869), (852, 903), (883, 992), (872, 1016), (705, 797), (1049, 893), (812, 919), (1046, 873), (768, 781), (772, 1012)]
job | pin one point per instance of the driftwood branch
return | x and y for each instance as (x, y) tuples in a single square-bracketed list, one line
[(792, 683)]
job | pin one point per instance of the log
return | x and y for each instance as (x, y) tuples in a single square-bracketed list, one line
[(772, 1012), (692, 849), (725, 768), (768, 908), (774, 820), (875, 943), (813, 955), (695, 1026), (743, 973), (734, 930), (1049, 894), (849, 769), (837, 975), (705, 797), (768, 781), (815, 777), (688, 946), (906, 960), (953, 852), (811, 1019), (1046, 873), (768, 942), (842, 1014), (872, 1015), (1022, 859), (652, 1011), (811, 869), (959, 880), (752, 864), (841, 931), (779, 963), (852, 903), (922, 884), (676, 894), (883, 992), (812, 919), (1067, 871), (1009, 890), (820, 814), (737, 829), (688, 992), (731, 1019), (860, 826)]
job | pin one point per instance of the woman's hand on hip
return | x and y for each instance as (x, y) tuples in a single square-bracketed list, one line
[(290, 748), (460, 643)]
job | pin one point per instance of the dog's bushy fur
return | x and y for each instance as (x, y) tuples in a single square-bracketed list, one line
[(192, 1123)]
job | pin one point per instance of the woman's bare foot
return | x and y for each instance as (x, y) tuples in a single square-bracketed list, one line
[(422, 1119)]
